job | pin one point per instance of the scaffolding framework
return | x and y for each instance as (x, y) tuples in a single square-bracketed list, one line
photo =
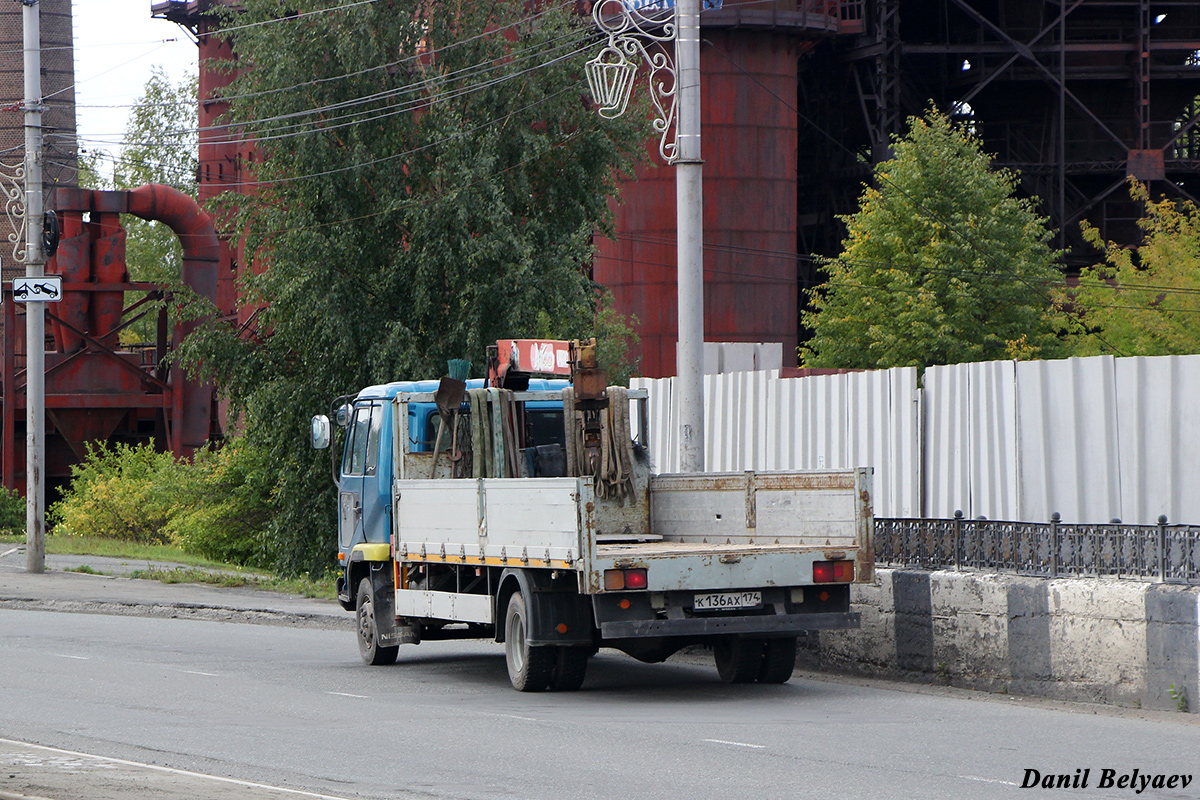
[(1076, 96)]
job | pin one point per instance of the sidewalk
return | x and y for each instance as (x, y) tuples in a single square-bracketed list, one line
[(114, 593)]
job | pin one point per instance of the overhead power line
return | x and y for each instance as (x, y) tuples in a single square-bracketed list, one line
[(575, 87), (491, 65), (1058, 283)]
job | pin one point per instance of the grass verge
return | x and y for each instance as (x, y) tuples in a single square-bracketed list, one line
[(119, 548), (302, 586), (194, 570)]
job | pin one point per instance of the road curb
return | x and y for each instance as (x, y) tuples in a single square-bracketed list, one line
[(211, 613)]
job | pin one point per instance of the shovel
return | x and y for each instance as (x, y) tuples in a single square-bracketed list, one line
[(449, 397)]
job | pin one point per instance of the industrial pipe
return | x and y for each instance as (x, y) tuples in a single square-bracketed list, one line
[(201, 256)]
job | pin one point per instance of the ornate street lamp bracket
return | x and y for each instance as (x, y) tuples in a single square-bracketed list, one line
[(638, 31), (12, 192)]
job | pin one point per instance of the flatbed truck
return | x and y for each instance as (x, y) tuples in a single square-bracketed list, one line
[(556, 566)]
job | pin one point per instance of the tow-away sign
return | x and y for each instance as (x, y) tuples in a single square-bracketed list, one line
[(44, 289)]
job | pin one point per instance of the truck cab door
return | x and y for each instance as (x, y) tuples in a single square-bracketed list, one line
[(363, 433), (376, 482)]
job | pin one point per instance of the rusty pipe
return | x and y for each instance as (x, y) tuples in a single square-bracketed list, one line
[(201, 256)]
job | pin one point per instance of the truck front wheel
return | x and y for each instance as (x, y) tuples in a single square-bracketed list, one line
[(738, 660), (372, 652), (529, 668)]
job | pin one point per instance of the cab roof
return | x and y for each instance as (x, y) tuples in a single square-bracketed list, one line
[(388, 391)]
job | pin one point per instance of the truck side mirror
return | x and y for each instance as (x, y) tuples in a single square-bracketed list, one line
[(320, 432), (342, 415)]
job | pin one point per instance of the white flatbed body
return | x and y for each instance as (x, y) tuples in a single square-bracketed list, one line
[(711, 531)]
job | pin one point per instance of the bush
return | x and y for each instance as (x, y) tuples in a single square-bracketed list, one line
[(119, 492), (216, 505), (12, 511), (224, 506)]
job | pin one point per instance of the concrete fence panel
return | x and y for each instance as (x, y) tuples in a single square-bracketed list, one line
[(1158, 431), (1068, 443)]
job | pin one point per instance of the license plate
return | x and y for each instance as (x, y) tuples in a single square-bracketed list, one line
[(723, 600)]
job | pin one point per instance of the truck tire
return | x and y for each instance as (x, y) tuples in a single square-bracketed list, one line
[(372, 652), (570, 667), (779, 660), (738, 660), (529, 668)]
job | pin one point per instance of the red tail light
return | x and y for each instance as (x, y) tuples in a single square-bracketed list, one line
[(635, 579), (617, 579), (833, 571)]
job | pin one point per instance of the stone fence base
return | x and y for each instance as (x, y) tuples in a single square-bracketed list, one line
[(1091, 639)]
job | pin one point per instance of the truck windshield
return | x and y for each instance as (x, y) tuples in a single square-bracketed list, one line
[(362, 445)]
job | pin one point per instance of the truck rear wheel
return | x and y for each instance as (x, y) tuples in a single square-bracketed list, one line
[(779, 660), (738, 660), (529, 668), (570, 667), (372, 652)]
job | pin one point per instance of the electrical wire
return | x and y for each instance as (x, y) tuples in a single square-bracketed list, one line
[(74, 47), (574, 87), (347, 120), (388, 65), (424, 103), (105, 72), (407, 59), (1049, 282), (296, 17), (488, 66)]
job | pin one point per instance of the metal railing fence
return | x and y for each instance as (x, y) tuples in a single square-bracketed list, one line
[(1054, 549)]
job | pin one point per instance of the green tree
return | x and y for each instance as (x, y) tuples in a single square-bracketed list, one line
[(1142, 301), (941, 263), (430, 181), (160, 146)]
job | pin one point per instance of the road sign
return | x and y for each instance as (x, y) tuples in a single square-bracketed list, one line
[(46, 289)]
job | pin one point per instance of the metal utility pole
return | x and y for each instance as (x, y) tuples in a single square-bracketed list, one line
[(35, 316), (631, 25), (689, 208)]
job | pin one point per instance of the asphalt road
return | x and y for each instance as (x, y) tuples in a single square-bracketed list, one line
[(295, 708)]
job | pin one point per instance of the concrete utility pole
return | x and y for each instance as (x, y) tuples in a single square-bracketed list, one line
[(631, 25), (689, 208), (35, 313)]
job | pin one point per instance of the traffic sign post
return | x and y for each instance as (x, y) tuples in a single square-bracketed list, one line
[(35, 319)]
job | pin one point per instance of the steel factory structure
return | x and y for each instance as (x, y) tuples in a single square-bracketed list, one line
[(800, 100)]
